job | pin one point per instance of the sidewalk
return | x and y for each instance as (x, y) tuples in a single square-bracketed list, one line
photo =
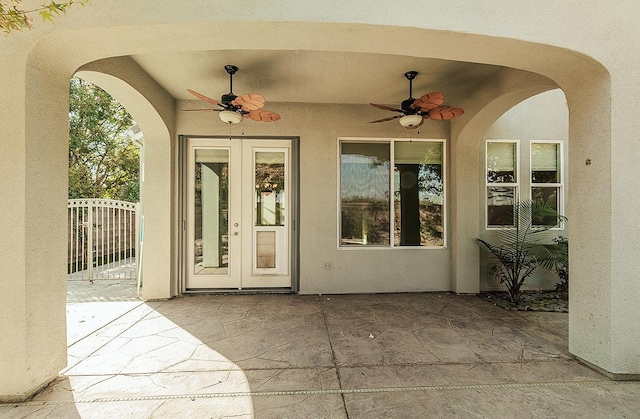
[(83, 291), (289, 356)]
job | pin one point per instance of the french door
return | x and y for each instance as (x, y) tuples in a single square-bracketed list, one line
[(238, 214)]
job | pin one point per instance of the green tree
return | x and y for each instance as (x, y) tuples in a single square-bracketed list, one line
[(15, 18), (103, 160)]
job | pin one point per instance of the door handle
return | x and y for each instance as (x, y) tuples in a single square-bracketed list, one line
[(235, 233)]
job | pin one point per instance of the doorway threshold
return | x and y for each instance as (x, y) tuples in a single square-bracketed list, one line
[(223, 291)]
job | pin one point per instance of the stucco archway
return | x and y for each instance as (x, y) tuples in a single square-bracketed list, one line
[(35, 113), (153, 110), (491, 100)]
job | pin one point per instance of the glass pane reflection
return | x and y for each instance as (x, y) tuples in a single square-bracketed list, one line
[(364, 189), (270, 198), (418, 194), (211, 223)]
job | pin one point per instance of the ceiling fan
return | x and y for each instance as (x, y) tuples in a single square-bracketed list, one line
[(236, 108), (413, 112)]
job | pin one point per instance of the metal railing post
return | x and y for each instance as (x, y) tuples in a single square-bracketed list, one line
[(90, 251)]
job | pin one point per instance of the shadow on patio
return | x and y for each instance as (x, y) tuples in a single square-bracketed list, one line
[(384, 355)]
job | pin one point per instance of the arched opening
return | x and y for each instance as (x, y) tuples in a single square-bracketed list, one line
[(52, 61), (130, 91), (104, 196), (497, 97), (524, 157)]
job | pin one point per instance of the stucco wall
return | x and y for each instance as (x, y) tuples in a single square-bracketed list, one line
[(542, 117), (319, 127)]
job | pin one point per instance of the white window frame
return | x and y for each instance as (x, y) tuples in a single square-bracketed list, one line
[(559, 186), (391, 142), (488, 184)]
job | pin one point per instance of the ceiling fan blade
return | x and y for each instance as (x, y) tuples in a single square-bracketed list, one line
[(386, 108), (262, 115), (387, 119), (249, 101), (203, 97), (203, 110), (429, 101), (445, 112)]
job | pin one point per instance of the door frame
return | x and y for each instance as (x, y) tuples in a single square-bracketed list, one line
[(182, 213)]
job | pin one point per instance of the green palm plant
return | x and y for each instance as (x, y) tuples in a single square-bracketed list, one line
[(555, 258), (519, 249)]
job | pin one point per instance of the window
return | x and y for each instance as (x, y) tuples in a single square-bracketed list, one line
[(546, 178), (392, 193), (501, 182)]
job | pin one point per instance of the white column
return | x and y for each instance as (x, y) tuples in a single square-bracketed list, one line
[(158, 235), (465, 213), (604, 283), (33, 221)]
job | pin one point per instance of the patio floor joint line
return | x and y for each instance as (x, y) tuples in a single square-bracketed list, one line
[(333, 357), (324, 392)]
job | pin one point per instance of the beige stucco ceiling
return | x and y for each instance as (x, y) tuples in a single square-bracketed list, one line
[(312, 76)]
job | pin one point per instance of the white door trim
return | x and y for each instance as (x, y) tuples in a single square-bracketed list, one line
[(284, 275)]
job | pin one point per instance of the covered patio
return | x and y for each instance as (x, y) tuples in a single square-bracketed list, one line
[(291, 356), (590, 53)]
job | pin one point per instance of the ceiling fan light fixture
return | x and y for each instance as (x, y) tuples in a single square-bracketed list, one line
[(409, 121), (230, 117)]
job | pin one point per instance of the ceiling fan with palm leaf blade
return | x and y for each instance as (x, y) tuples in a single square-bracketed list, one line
[(233, 109), (413, 112)]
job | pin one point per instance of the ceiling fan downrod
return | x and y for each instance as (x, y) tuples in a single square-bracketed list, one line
[(410, 75), (231, 70), (406, 104)]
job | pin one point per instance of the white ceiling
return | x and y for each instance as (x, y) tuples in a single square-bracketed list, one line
[(312, 76)]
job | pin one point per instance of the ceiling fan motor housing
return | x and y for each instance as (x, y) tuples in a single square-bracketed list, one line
[(228, 98), (406, 106)]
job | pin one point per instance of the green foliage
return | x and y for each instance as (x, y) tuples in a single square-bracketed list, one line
[(555, 258), (14, 18), (519, 249), (103, 161)]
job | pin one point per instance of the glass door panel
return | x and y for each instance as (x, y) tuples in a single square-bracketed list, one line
[(211, 210), (265, 249), (270, 208), (267, 257), (213, 198), (270, 188)]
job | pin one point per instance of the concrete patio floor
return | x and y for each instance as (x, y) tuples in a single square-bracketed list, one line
[(433, 355)]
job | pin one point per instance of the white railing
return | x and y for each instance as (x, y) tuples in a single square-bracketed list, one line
[(103, 239)]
